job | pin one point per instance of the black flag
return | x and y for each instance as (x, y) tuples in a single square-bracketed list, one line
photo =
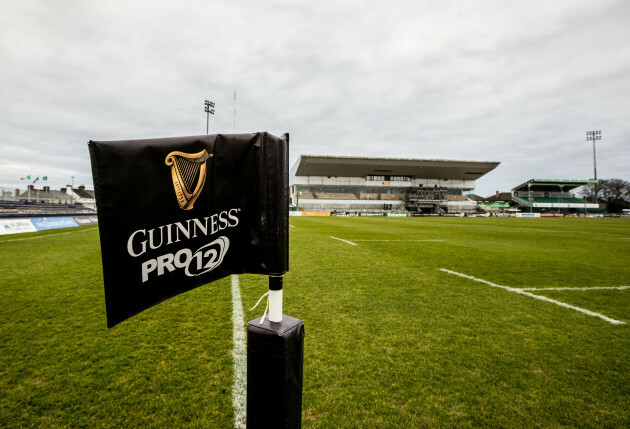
[(177, 213)]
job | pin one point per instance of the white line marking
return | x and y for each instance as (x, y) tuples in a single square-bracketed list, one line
[(239, 386), (47, 235), (467, 225), (576, 288), (345, 241), (542, 298), (400, 240), (544, 230), (292, 226)]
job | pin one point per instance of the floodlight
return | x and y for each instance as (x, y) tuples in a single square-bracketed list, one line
[(209, 109), (593, 136)]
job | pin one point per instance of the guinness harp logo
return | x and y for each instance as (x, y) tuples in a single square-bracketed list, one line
[(189, 175)]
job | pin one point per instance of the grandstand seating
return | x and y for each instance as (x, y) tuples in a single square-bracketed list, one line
[(553, 200), (456, 197), (367, 196), (306, 195), (392, 197), (336, 196)]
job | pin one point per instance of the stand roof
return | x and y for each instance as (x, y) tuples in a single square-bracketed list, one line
[(355, 166), (541, 185)]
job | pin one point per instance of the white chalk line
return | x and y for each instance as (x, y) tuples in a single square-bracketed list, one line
[(239, 383), (576, 288), (48, 235), (555, 231), (345, 241), (403, 240), (539, 297), (470, 225), (355, 244)]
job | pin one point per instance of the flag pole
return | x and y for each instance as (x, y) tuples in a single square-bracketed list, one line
[(275, 298)]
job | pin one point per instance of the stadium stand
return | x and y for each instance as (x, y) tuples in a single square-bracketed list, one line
[(544, 195), (538, 196), (361, 184)]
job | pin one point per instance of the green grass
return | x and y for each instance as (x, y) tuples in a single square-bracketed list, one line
[(61, 367), (391, 341)]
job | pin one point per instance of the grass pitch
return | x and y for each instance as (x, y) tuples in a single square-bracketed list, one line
[(391, 339)]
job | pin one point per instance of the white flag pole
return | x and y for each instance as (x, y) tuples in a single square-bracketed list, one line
[(275, 298)]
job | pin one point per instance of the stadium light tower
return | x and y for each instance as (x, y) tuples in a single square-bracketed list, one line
[(594, 135), (209, 111)]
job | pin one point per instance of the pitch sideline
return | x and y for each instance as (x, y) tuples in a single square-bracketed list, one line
[(345, 241), (576, 288), (239, 383), (355, 244)]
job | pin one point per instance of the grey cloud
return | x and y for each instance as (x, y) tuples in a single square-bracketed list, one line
[(518, 84)]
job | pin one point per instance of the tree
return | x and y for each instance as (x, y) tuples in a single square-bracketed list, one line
[(586, 193), (615, 193)]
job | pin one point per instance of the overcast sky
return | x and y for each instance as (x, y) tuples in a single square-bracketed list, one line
[(515, 82)]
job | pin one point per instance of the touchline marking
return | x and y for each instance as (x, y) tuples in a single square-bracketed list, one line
[(575, 288), (400, 240), (531, 295), (239, 384), (47, 235), (345, 241)]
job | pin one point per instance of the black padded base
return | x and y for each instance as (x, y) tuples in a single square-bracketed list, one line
[(275, 354)]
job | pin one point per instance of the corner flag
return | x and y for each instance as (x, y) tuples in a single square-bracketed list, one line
[(177, 213)]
